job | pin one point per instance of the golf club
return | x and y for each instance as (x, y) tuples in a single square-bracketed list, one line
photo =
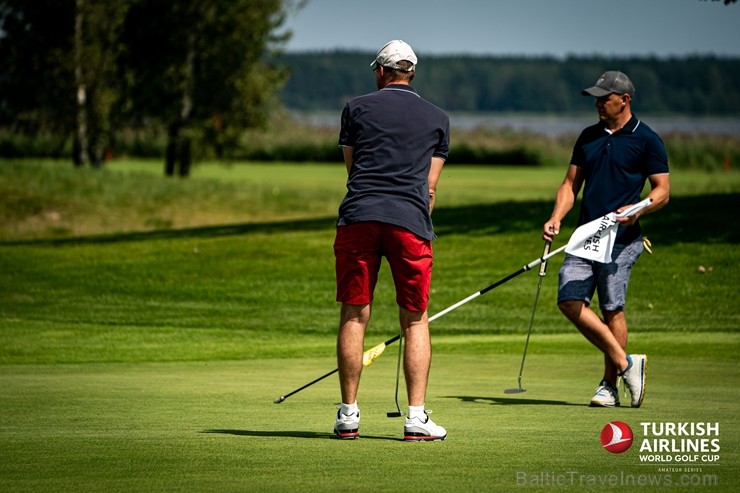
[(372, 354), (397, 413), (543, 271), (579, 241)]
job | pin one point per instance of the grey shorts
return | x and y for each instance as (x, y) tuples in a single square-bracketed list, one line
[(579, 279)]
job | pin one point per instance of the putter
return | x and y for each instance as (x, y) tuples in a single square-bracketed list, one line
[(543, 271), (397, 413)]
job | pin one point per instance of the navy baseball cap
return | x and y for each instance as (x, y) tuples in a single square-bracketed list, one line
[(609, 82)]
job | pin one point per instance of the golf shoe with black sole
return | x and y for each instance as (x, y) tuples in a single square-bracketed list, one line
[(422, 429), (347, 426)]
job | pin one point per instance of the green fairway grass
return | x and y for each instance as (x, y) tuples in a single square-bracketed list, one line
[(147, 325), (212, 426)]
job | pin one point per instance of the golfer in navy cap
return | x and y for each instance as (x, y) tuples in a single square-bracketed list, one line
[(612, 160)]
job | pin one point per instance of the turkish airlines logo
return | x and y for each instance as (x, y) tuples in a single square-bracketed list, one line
[(616, 437)]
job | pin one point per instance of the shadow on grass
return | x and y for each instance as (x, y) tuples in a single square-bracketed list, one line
[(289, 434), (696, 219), (200, 232), (506, 401)]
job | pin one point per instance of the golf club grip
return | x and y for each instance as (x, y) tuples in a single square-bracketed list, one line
[(543, 265), (369, 356)]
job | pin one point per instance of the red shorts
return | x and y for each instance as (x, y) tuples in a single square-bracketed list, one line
[(358, 249)]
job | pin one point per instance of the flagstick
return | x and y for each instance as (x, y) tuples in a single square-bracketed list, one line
[(524, 269), (371, 354)]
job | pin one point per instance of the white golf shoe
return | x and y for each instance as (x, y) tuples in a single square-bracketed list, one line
[(634, 377), (347, 426), (422, 429), (606, 396)]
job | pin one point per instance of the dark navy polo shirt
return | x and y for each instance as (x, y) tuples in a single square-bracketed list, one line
[(616, 167), (394, 134)]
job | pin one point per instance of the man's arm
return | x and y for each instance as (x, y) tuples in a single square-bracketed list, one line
[(564, 200), (434, 173), (660, 191), (348, 153)]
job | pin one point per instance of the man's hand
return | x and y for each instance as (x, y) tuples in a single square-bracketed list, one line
[(550, 229), (628, 220)]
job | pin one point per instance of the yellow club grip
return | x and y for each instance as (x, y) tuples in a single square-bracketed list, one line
[(369, 356)]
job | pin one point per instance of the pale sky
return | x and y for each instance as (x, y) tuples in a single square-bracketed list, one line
[(521, 27)]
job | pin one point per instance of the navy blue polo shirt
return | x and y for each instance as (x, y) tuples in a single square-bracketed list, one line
[(394, 134), (616, 167)]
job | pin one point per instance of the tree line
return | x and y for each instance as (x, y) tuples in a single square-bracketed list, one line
[(692, 85), (91, 73), (199, 68)]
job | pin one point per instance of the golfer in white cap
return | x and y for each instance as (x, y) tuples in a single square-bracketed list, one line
[(394, 145)]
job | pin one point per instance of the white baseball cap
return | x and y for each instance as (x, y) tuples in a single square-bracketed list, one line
[(393, 52)]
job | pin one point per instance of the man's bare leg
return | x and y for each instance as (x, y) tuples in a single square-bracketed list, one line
[(596, 331), (417, 354), (353, 321)]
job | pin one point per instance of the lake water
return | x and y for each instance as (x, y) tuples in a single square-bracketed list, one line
[(557, 126)]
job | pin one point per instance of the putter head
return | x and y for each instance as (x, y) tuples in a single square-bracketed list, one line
[(395, 414), (279, 400), (515, 391)]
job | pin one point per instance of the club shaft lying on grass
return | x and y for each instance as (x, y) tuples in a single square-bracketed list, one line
[(372, 354)]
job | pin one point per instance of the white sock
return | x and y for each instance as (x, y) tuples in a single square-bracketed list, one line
[(416, 411), (348, 409)]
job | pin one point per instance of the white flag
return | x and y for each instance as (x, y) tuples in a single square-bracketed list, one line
[(595, 240)]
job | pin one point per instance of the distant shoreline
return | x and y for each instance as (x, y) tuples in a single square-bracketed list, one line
[(558, 126)]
